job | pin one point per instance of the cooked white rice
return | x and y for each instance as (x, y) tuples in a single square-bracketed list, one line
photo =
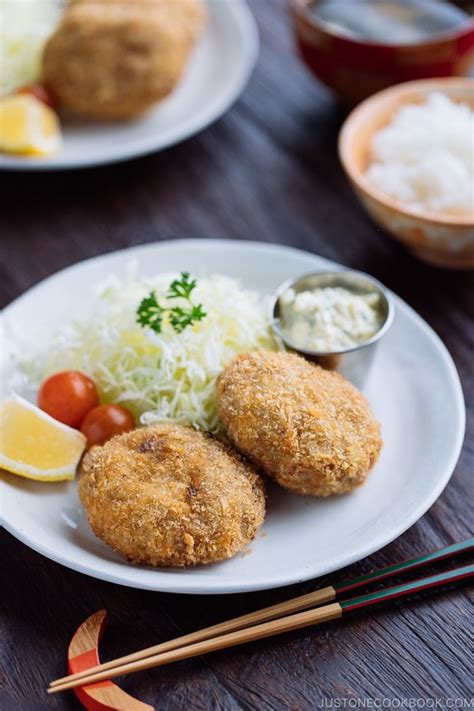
[(425, 156)]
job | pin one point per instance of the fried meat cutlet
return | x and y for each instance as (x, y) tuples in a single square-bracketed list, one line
[(168, 495), (308, 428), (113, 59)]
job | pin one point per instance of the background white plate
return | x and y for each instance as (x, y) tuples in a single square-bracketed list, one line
[(414, 390), (216, 75)]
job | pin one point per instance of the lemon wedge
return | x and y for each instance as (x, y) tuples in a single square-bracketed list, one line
[(28, 127), (36, 446)]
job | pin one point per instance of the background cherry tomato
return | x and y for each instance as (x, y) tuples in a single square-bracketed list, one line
[(68, 396), (41, 93), (105, 421)]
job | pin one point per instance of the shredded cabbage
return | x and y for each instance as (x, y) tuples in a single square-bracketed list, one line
[(161, 377), (25, 26)]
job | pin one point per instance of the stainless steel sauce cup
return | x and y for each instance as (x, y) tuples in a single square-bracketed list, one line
[(353, 363)]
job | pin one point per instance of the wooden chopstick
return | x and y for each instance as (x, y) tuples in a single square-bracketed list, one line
[(282, 609), (406, 566), (273, 627)]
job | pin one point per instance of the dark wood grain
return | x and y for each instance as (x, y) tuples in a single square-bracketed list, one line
[(269, 171)]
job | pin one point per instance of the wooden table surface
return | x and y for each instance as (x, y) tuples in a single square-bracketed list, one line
[(268, 171)]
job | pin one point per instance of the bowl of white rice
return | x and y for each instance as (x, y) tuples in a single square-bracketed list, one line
[(409, 154)]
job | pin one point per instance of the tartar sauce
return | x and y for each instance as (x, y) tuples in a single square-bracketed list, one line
[(329, 319)]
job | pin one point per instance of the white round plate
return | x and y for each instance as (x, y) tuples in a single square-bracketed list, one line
[(414, 390), (216, 75)]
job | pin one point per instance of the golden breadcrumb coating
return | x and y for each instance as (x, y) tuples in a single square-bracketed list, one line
[(113, 59), (169, 495), (306, 427)]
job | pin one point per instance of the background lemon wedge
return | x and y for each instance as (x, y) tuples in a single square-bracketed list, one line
[(36, 446), (28, 127)]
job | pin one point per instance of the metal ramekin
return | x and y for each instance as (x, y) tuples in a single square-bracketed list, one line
[(353, 363)]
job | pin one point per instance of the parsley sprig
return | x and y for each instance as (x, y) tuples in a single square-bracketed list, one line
[(151, 314), (181, 287)]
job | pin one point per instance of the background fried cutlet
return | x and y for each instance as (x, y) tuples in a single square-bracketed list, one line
[(114, 60)]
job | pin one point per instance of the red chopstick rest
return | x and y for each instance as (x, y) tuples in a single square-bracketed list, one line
[(83, 654)]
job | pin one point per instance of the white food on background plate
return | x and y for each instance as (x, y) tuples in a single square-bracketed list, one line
[(329, 319), (425, 157), (161, 377), (25, 26)]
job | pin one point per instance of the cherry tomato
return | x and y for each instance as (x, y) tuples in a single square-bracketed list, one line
[(105, 421), (68, 396), (41, 93)]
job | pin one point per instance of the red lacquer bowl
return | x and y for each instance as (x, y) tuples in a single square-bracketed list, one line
[(356, 69)]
